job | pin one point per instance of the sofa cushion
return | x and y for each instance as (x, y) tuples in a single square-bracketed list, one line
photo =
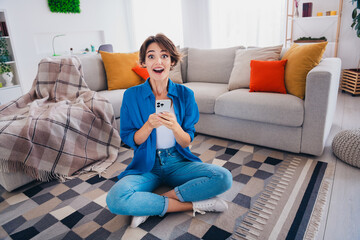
[(94, 71), (175, 74), (210, 65), (240, 74), (267, 76), (301, 59), (274, 108), (115, 97), (118, 67), (141, 71), (206, 94), (184, 63)]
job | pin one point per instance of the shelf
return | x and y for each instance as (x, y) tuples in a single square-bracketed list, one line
[(315, 26), (309, 41), (10, 87), (315, 17), (7, 93)]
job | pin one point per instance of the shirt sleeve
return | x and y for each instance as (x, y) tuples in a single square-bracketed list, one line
[(191, 114), (127, 127)]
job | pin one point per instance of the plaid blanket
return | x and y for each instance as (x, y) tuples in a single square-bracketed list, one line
[(59, 127)]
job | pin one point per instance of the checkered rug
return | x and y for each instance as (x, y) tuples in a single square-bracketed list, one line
[(76, 209)]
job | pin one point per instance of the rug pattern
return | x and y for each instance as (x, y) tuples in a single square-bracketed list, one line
[(76, 209)]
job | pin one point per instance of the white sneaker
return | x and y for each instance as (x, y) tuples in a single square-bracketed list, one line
[(210, 205), (136, 221)]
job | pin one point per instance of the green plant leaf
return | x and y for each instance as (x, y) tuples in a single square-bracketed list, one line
[(4, 68), (354, 13)]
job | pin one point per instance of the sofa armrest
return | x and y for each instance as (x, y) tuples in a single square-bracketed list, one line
[(322, 84)]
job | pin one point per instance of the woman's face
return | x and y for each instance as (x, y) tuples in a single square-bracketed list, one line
[(158, 62)]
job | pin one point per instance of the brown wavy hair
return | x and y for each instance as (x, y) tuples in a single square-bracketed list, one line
[(164, 42)]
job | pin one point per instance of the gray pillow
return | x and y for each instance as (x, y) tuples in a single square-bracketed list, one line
[(184, 64), (240, 74), (210, 65), (94, 71), (175, 74)]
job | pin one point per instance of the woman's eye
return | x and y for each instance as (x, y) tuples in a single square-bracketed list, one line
[(165, 56), (150, 56)]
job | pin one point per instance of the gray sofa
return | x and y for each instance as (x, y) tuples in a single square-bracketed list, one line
[(279, 121)]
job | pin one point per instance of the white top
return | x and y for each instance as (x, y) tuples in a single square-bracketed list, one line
[(165, 137)]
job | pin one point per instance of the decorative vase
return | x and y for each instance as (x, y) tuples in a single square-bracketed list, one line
[(8, 76)]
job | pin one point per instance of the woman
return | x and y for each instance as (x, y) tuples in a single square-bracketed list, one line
[(161, 146)]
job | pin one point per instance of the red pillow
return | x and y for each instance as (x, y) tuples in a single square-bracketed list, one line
[(142, 72), (267, 76)]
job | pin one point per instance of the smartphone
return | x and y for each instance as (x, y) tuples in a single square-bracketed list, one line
[(162, 105)]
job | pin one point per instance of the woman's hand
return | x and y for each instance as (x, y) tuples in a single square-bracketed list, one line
[(168, 120), (154, 121), (144, 132)]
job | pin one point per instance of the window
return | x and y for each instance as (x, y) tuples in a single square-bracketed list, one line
[(155, 16), (247, 23)]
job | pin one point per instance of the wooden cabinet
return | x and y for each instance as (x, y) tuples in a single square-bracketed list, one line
[(8, 93)]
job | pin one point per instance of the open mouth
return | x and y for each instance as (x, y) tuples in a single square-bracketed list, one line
[(158, 70)]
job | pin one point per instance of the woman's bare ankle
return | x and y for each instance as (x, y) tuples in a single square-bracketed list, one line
[(171, 194)]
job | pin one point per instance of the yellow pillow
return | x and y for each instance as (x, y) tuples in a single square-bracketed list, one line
[(301, 59), (118, 67)]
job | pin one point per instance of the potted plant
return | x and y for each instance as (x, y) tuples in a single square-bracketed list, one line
[(356, 23), (5, 69), (6, 74)]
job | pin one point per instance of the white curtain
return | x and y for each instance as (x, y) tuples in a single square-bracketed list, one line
[(247, 23), (207, 23), (150, 17)]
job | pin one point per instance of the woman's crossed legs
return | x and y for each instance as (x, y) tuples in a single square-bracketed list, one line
[(193, 181)]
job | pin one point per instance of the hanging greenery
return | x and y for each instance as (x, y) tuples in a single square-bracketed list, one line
[(64, 6)]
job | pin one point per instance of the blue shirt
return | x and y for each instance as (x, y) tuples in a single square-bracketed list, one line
[(138, 104)]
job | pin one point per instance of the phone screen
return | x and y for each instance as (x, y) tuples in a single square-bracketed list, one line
[(162, 105)]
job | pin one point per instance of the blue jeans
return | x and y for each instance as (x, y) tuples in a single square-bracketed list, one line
[(193, 181)]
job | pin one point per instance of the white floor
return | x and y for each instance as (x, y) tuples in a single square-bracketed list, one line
[(342, 220)]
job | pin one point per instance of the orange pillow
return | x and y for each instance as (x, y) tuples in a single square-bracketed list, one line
[(118, 69), (142, 72), (267, 76)]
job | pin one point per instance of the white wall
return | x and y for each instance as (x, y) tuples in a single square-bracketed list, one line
[(32, 26), (31, 23)]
